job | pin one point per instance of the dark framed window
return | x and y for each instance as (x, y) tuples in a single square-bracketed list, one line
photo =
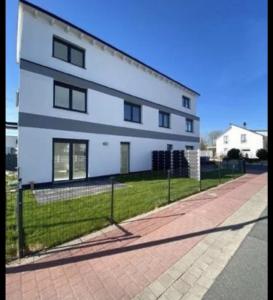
[(189, 125), (164, 119), (70, 97), (225, 139), (186, 102), (243, 138), (132, 112), (169, 147), (70, 159), (68, 52), (189, 147)]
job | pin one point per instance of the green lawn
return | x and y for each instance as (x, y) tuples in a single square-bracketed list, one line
[(50, 224)]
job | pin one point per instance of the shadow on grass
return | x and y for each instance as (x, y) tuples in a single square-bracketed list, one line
[(102, 253), (96, 242)]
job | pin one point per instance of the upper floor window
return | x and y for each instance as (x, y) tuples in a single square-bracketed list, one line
[(189, 147), (164, 119), (189, 125), (132, 112), (186, 102), (68, 52), (243, 138), (70, 97), (225, 139)]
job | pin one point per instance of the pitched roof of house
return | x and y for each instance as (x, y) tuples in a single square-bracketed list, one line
[(251, 130), (106, 43)]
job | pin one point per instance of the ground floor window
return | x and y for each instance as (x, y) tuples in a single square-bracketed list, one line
[(70, 159), (169, 147)]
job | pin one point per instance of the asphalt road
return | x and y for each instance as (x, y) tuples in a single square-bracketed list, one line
[(245, 276)]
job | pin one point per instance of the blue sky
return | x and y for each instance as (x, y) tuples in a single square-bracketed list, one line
[(218, 48)]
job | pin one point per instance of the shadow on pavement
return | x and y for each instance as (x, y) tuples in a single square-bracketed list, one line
[(75, 259)]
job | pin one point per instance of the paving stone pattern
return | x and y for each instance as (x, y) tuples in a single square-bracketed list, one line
[(193, 274)]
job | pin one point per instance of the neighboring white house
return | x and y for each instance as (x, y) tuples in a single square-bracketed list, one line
[(88, 109), (248, 141), (11, 144)]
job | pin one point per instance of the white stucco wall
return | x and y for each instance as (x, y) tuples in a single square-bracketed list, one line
[(34, 43), (101, 66), (253, 143), (35, 155), (36, 97)]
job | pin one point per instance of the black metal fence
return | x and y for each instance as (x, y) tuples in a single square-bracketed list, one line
[(39, 219)]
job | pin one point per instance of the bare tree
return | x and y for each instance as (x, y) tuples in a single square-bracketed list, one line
[(203, 144), (212, 136)]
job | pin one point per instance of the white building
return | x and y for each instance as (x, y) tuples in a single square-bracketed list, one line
[(88, 109), (11, 144), (246, 140)]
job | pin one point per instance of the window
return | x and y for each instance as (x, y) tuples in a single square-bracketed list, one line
[(225, 139), (164, 119), (243, 138), (68, 52), (132, 112), (69, 97), (189, 147), (186, 102), (169, 147), (70, 159), (189, 125)]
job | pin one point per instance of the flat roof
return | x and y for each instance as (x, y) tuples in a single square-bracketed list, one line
[(100, 40)]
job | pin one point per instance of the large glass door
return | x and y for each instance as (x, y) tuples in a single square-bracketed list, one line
[(70, 159), (61, 161), (79, 161)]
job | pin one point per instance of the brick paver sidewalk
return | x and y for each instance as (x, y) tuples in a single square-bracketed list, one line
[(120, 263)]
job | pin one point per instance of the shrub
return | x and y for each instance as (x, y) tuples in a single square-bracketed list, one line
[(234, 154), (262, 154)]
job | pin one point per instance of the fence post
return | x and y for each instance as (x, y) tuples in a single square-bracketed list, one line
[(112, 200), (219, 172), (20, 228), (232, 171), (169, 186), (244, 166), (200, 181)]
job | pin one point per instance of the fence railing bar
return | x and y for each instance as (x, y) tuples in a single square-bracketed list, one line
[(112, 201), (20, 226), (55, 219)]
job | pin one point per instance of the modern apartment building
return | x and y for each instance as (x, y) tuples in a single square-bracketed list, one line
[(88, 109)]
